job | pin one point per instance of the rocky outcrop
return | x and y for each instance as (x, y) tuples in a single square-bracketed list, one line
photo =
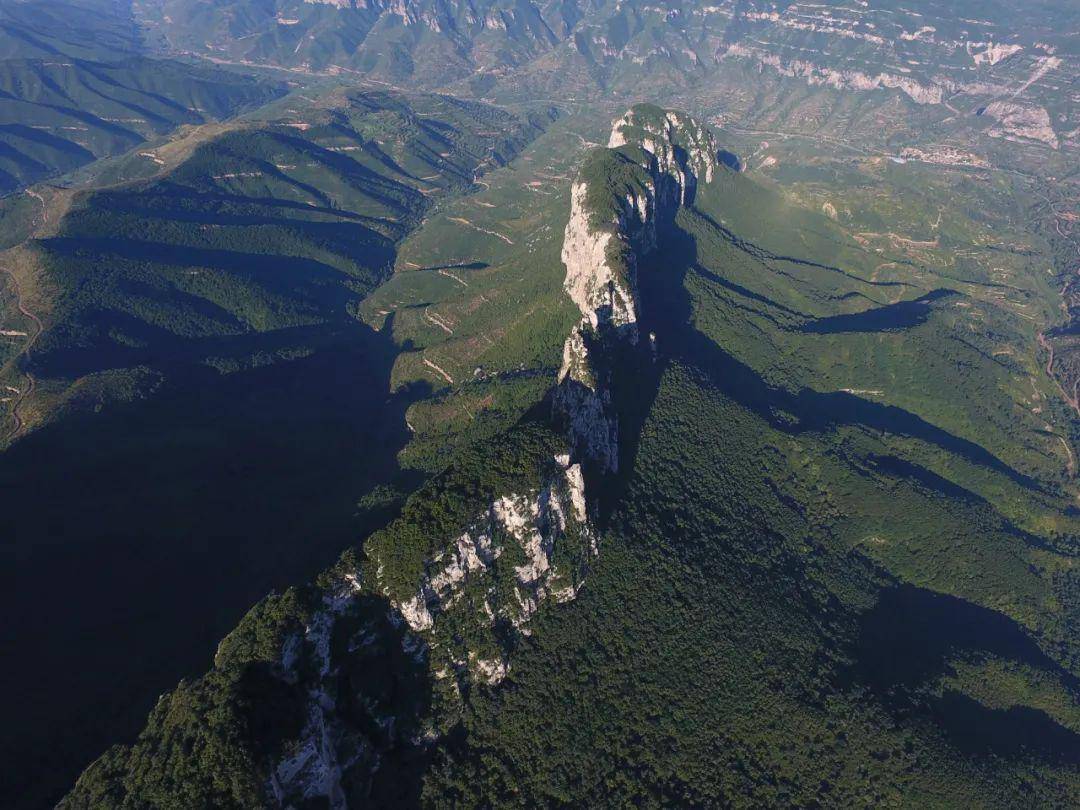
[(602, 290), (682, 147), (507, 559), (456, 630), (623, 197), (991, 53), (921, 92), (1021, 121)]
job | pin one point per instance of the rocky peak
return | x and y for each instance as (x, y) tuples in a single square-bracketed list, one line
[(683, 148), (653, 163)]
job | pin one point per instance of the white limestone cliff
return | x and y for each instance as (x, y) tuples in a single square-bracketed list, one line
[(683, 148), (601, 259), (526, 548), (527, 528), (603, 292)]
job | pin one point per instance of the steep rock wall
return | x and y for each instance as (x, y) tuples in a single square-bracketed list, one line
[(623, 198)]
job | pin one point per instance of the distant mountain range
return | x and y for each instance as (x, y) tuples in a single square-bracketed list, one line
[(981, 56), (76, 85)]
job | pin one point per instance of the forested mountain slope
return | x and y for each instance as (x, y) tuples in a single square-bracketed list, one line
[(609, 603), (717, 457), (200, 386)]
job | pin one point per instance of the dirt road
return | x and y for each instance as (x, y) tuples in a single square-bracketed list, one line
[(28, 388)]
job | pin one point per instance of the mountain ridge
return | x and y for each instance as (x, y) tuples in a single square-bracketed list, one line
[(528, 543), (667, 474), (973, 61)]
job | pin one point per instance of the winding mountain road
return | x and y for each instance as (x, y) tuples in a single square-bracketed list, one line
[(27, 389)]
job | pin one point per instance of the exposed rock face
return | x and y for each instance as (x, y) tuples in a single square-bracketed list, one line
[(811, 73), (602, 291), (1019, 121), (525, 549), (314, 766), (514, 542), (622, 196), (991, 52), (682, 147)]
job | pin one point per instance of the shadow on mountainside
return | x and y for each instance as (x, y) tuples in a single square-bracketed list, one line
[(137, 537), (904, 643), (892, 317), (666, 313), (907, 642)]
